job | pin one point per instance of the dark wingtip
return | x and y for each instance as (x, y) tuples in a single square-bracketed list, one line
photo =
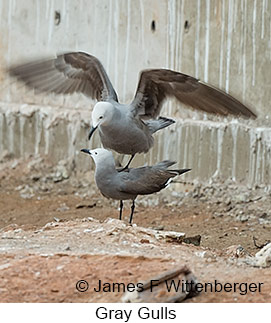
[(247, 114), (167, 119), (253, 115), (182, 171)]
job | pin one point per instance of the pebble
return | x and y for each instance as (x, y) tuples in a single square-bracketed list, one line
[(14, 164)]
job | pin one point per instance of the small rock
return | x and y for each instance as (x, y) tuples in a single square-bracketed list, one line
[(243, 198), (6, 155), (87, 206), (144, 241), (36, 177), (262, 258), (14, 164), (63, 207), (33, 164), (242, 218), (218, 214), (236, 251), (228, 201), (4, 266), (17, 230), (229, 208), (27, 192), (98, 230), (159, 228), (264, 215)]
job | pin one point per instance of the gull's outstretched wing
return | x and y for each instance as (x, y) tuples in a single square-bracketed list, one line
[(155, 85), (66, 74)]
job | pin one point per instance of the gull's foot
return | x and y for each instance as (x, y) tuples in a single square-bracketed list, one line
[(124, 169)]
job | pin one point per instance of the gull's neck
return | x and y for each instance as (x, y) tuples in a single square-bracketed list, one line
[(105, 167)]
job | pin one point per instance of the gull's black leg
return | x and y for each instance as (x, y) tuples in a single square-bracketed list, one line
[(129, 162), (132, 212), (121, 207)]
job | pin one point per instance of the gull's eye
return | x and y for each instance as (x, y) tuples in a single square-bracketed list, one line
[(100, 117), (95, 153)]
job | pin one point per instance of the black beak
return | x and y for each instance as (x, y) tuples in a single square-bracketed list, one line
[(87, 151), (91, 132)]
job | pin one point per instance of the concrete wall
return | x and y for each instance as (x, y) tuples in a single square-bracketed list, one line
[(226, 43)]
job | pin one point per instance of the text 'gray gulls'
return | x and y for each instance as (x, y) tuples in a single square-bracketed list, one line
[(125, 128), (128, 185)]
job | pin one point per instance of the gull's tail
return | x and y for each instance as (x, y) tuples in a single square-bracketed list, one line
[(160, 123)]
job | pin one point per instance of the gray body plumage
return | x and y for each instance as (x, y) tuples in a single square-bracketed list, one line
[(136, 181), (127, 134)]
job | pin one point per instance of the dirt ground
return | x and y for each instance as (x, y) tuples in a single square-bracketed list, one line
[(48, 214)]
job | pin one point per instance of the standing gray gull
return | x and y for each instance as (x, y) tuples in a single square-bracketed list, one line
[(125, 128), (128, 185)]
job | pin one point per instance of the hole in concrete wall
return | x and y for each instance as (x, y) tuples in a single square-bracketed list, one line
[(57, 18), (186, 25), (153, 26)]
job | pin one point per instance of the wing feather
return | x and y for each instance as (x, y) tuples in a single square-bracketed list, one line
[(66, 74), (156, 85), (149, 179)]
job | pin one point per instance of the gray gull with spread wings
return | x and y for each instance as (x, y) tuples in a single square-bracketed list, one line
[(126, 129)]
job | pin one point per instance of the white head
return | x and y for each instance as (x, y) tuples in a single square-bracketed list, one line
[(102, 114), (100, 155)]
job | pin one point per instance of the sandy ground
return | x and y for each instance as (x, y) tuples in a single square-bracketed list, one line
[(56, 229)]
